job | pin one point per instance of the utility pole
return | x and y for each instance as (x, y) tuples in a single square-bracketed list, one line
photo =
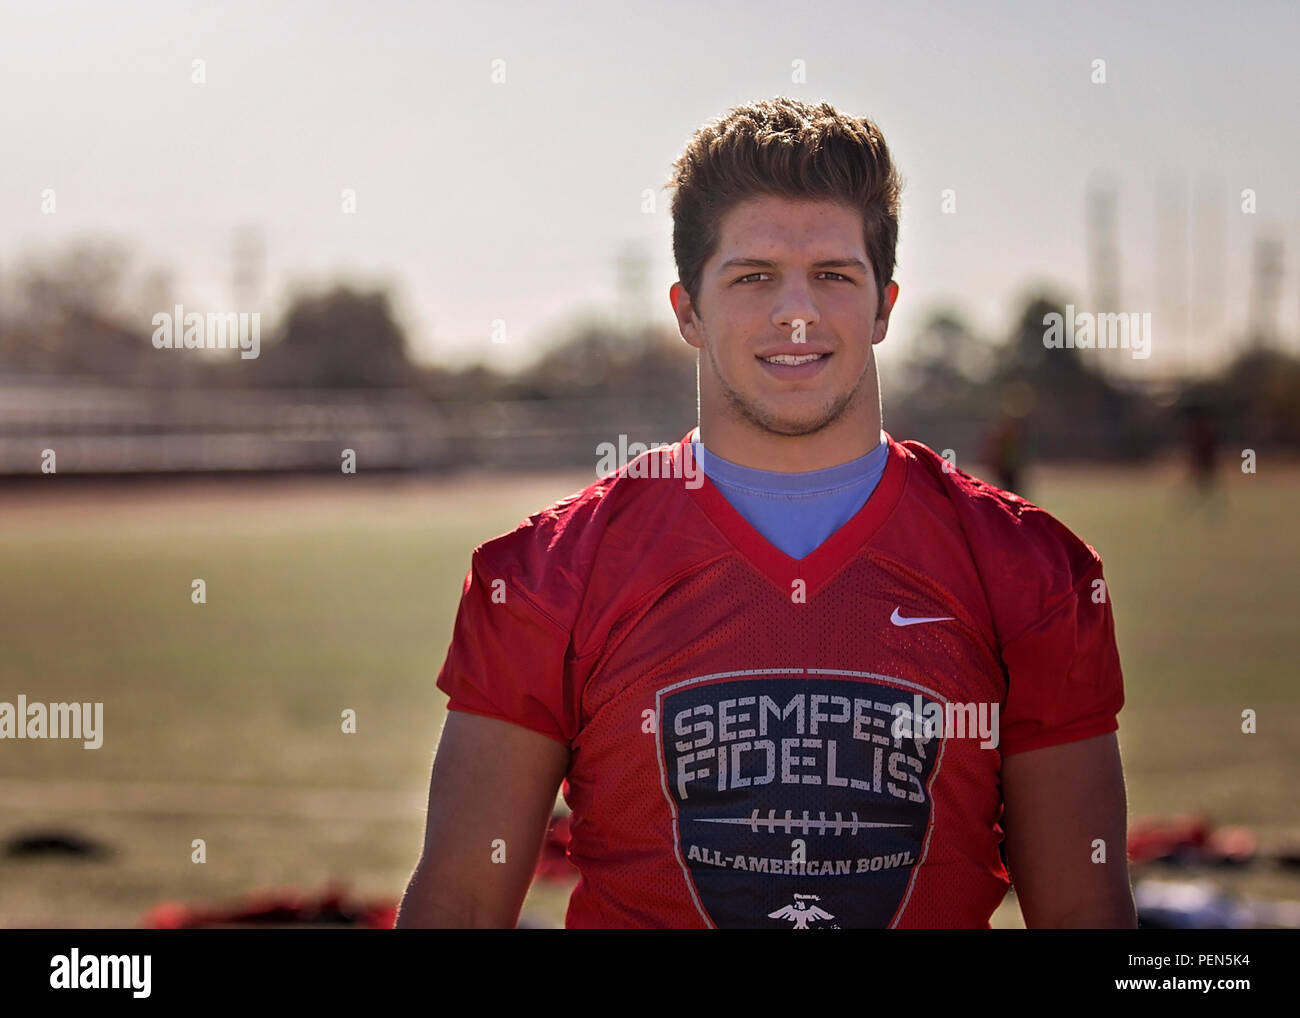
[(248, 269), (1265, 291), (1103, 254), (633, 289)]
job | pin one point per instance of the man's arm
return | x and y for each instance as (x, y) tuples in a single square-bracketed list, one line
[(491, 780), (1058, 801)]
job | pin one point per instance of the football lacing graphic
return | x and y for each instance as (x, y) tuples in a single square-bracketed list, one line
[(804, 824)]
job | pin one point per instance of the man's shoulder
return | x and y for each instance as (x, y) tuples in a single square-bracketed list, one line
[(581, 519), (1023, 552), (613, 526)]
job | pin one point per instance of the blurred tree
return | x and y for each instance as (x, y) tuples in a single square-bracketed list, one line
[(946, 361), (1076, 412), (84, 278), (1256, 400), (340, 338), (949, 351), (603, 359), (82, 310)]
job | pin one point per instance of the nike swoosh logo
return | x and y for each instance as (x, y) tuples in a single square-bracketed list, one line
[(898, 620)]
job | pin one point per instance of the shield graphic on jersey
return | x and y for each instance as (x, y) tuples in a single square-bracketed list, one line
[(801, 800)]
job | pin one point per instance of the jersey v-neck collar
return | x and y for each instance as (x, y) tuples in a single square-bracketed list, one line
[(827, 558)]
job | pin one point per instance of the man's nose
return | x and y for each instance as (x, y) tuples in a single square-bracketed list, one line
[(796, 305)]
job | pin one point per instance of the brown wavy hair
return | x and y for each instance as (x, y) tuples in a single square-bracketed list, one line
[(790, 149)]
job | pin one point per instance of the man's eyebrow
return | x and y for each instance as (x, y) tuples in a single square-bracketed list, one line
[(827, 263)]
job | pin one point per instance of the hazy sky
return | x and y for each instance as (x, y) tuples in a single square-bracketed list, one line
[(479, 201)]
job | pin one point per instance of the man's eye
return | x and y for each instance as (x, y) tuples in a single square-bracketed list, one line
[(754, 275)]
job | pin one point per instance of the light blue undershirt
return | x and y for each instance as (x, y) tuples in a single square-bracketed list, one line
[(796, 512)]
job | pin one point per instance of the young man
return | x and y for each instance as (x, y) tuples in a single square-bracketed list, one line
[(817, 686)]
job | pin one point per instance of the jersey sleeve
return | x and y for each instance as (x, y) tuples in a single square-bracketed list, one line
[(508, 657), (1064, 681)]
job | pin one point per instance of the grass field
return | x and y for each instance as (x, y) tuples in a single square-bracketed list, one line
[(222, 720)]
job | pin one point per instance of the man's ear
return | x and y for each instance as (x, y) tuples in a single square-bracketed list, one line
[(882, 316), (687, 320)]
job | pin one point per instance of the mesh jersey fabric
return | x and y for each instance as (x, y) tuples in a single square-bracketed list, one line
[(731, 711)]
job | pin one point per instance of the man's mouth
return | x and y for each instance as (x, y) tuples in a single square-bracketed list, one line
[(785, 358), (794, 367)]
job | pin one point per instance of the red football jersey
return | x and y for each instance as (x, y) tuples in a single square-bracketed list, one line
[(747, 733)]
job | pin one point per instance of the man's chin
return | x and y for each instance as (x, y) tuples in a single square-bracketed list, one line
[(791, 423)]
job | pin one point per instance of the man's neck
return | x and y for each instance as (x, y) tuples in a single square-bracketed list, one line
[(749, 446)]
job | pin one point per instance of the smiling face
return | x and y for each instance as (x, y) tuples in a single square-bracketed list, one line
[(784, 270)]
